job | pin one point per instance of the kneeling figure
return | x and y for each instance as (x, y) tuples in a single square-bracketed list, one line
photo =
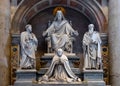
[(59, 69)]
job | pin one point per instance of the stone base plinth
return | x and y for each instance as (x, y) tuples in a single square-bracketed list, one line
[(96, 83), (25, 77), (94, 77)]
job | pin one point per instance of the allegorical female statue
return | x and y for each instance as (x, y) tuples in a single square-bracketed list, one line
[(29, 44), (60, 31), (92, 49), (59, 69)]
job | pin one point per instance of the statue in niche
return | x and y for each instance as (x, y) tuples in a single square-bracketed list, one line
[(92, 49), (29, 45), (59, 70), (60, 33)]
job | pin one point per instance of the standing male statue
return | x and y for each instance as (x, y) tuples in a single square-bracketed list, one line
[(92, 49), (60, 32), (29, 44)]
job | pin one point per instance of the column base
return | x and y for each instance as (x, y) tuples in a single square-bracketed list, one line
[(25, 77)]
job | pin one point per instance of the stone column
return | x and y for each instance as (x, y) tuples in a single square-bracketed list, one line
[(114, 41), (4, 41)]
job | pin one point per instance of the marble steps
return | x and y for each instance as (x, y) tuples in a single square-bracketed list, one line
[(46, 59), (42, 71)]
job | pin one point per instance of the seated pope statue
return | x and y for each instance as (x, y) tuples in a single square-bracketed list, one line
[(59, 69), (60, 31), (29, 44)]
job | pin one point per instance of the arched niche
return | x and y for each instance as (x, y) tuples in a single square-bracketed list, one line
[(39, 12)]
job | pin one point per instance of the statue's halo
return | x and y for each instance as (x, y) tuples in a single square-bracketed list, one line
[(59, 8)]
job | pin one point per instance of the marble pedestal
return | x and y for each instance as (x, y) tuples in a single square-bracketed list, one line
[(94, 77), (25, 77)]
